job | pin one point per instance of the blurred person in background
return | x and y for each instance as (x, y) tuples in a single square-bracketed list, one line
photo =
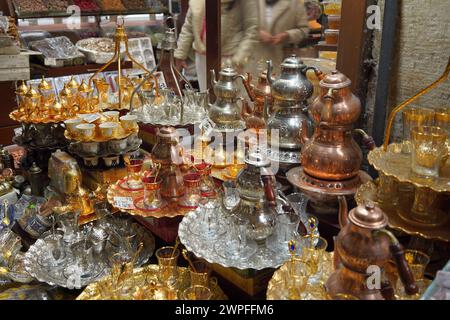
[(283, 24), (239, 25)]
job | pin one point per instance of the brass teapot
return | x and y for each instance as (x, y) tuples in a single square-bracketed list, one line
[(290, 93), (332, 153), (226, 112), (364, 246), (257, 197)]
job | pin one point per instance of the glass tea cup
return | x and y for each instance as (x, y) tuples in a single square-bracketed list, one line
[(197, 293), (152, 193), (192, 194), (296, 278), (134, 167), (442, 119), (428, 150), (412, 118), (417, 261), (287, 226), (312, 250), (167, 261), (201, 276)]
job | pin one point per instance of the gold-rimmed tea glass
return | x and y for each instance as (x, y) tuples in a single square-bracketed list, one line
[(442, 119), (418, 262), (197, 293), (312, 250), (428, 150), (201, 276), (387, 191), (167, 261), (296, 278), (412, 118), (134, 168)]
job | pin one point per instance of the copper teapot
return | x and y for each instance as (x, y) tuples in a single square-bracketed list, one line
[(260, 94), (332, 153), (363, 243), (169, 154)]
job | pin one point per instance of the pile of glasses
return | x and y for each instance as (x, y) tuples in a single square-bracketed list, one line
[(218, 237), (169, 109), (71, 256), (165, 281)]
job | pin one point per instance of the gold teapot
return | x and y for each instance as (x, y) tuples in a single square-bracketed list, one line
[(332, 153), (363, 249)]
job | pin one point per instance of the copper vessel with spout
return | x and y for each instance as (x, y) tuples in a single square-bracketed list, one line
[(332, 153), (363, 243), (169, 154), (261, 96)]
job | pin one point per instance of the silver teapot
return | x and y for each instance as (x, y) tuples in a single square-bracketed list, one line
[(257, 197), (226, 112), (290, 93)]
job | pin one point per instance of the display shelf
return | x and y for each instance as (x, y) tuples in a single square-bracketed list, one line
[(74, 70), (368, 191), (326, 47)]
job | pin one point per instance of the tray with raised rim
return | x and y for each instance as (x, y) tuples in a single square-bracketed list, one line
[(17, 116), (368, 191), (171, 210), (121, 133), (398, 165), (144, 276), (313, 291)]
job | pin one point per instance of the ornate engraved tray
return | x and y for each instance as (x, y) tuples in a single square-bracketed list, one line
[(16, 116), (207, 249), (33, 260), (142, 277), (171, 210), (368, 191), (397, 164), (314, 291)]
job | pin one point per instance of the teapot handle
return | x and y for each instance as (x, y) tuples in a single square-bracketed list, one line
[(343, 211), (367, 140), (404, 270), (319, 74), (247, 81), (269, 190)]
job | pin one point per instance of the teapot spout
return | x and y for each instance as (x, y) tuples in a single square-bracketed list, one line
[(343, 211), (213, 77), (248, 86)]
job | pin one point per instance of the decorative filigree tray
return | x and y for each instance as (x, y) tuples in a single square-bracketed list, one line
[(17, 116), (142, 277), (368, 191), (276, 290), (35, 262), (208, 249), (397, 164), (115, 192)]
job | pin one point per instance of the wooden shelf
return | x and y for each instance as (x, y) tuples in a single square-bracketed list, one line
[(39, 71), (326, 47)]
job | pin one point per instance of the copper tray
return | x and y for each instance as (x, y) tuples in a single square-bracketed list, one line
[(368, 191), (312, 292), (397, 164), (170, 211), (146, 274)]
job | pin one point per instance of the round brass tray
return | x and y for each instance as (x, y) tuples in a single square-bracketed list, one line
[(120, 134), (170, 211), (312, 292), (143, 276), (16, 116), (397, 164), (368, 191)]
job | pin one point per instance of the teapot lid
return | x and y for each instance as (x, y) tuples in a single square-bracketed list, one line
[(335, 80), (167, 132), (292, 62), (228, 72), (368, 216)]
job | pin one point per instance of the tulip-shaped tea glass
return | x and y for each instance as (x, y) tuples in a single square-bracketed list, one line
[(167, 261), (428, 150), (197, 293), (312, 250)]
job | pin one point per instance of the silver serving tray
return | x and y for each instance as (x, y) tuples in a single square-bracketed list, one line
[(55, 276), (206, 249)]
